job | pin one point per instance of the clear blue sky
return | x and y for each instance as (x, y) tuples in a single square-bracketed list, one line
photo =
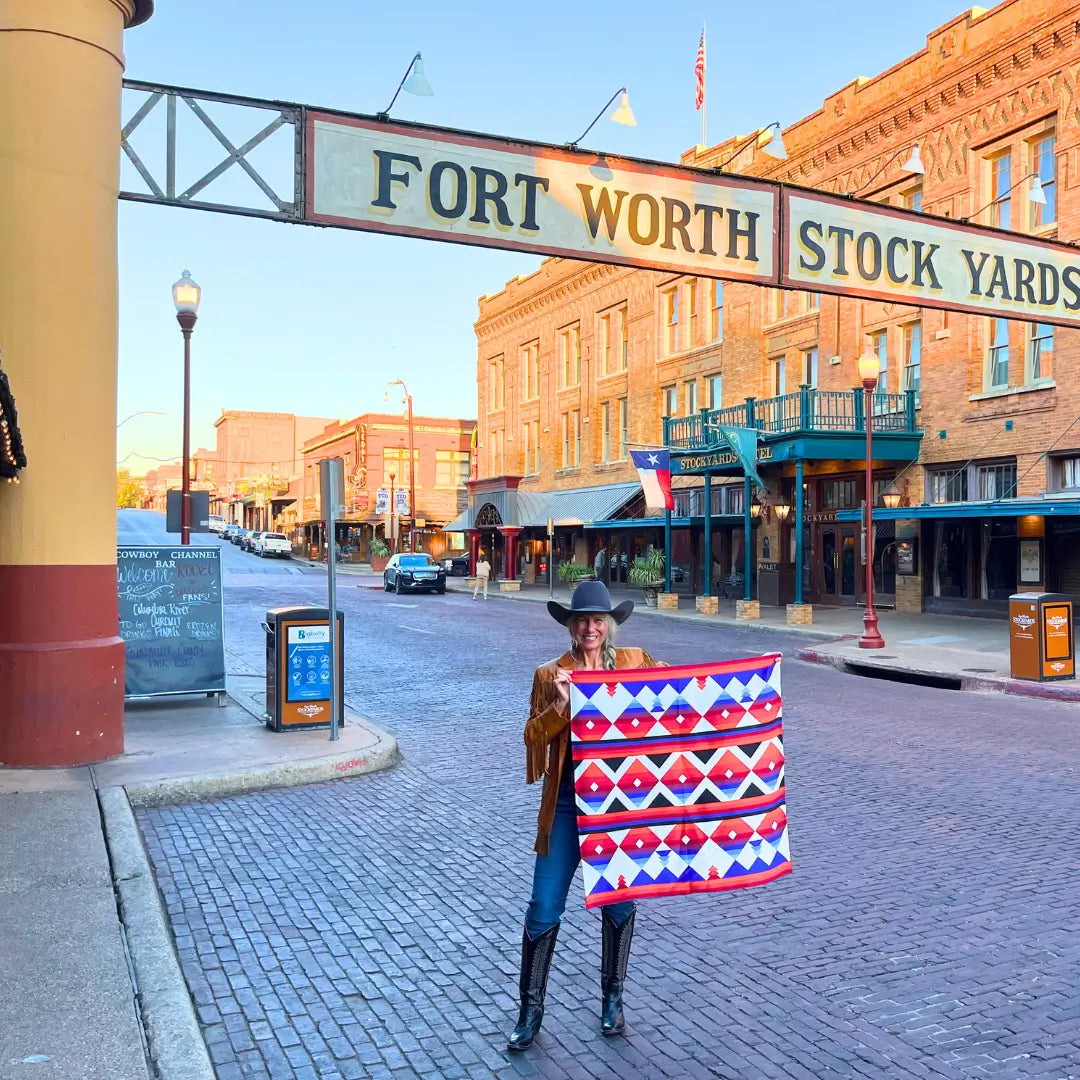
[(316, 321)]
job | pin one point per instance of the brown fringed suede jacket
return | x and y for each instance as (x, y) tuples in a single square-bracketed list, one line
[(547, 733)]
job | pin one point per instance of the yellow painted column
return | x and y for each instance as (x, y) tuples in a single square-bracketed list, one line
[(61, 659)]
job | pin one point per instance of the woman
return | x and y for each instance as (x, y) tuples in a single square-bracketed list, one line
[(592, 622)]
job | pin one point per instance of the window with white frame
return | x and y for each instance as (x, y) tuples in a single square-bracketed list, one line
[(534, 439), (995, 481), (690, 397), (1040, 352), (813, 301), (1000, 190), (911, 199), (946, 485), (496, 381), (570, 355), (451, 468), (779, 376), (912, 344), (670, 299), (570, 429), (997, 358), (1068, 473), (530, 370), (716, 391), (692, 304), (396, 461), (623, 344), (809, 368), (622, 420), (613, 430), (669, 401), (879, 345), (1044, 166), (607, 419), (782, 304), (716, 310), (606, 344)]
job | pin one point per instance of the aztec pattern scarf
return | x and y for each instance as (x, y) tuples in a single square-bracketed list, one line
[(679, 778)]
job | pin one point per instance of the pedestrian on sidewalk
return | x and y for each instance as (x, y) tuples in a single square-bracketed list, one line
[(599, 562), (592, 621), (483, 576)]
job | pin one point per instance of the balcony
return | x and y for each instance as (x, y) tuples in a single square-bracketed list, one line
[(808, 412)]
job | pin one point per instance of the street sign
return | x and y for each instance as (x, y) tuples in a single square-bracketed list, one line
[(382, 501), (332, 486)]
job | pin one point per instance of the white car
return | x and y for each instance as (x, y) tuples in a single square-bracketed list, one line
[(270, 543), (217, 524)]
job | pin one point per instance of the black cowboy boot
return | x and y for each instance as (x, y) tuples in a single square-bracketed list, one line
[(614, 958), (535, 965)]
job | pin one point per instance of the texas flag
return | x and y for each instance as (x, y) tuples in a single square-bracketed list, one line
[(654, 468)]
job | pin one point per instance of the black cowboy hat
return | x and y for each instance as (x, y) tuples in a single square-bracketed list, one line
[(590, 598)]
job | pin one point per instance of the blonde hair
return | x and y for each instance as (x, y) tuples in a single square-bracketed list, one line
[(607, 650)]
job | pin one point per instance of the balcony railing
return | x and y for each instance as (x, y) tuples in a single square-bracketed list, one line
[(809, 411)]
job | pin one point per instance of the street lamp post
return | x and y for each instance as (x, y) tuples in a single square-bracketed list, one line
[(393, 518), (869, 372), (186, 296), (412, 459)]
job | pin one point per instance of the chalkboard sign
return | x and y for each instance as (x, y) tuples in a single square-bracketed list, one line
[(170, 617)]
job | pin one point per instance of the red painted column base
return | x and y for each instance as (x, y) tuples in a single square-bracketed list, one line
[(61, 666)]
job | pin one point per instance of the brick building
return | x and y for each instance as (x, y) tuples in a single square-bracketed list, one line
[(973, 416), (375, 450)]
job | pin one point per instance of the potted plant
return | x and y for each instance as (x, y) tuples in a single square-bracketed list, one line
[(572, 572), (379, 552), (648, 571)]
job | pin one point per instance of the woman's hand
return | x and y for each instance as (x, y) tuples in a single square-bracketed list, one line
[(562, 689)]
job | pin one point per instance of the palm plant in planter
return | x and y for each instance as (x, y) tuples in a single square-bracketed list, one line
[(379, 552), (648, 571), (572, 572)]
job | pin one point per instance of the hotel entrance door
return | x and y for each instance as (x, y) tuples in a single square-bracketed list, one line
[(838, 577)]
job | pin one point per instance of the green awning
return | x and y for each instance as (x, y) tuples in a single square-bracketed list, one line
[(1006, 508)]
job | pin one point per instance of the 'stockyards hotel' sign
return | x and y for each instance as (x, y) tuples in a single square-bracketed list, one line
[(363, 173)]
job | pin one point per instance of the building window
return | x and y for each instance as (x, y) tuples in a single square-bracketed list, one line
[(396, 461), (946, 485), (912, 198), (451, 468), (570, 424), (809, 368), (1001, 203), (813, 301), (996, 481), (530, 375), (606, 343), (605, 430), (1069, 473), (783, 304), (670, 401), (495, 377), (716, 310), (779, 379), (570, 355), (1040, 352), (671, 321), (624, 337), (623, 419), (692, 287), (496, 440), (837, 494), (998, 354), (716, 391), (1044, 166), (912, 358), (690, 396), (879, 344)]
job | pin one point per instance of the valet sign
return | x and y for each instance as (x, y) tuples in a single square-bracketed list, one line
[(308, 663)]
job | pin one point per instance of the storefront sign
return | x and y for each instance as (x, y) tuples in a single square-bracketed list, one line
[(1030, 562), (716, 460), (471, 189), (832, 244), (907, 561)]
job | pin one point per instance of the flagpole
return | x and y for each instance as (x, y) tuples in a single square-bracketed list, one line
[(704, 76), (667, 551)]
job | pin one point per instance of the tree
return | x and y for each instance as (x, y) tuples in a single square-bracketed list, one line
[(127, 489)]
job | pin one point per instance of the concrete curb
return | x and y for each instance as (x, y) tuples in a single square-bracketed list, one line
[(172, 1029), (338, 766)]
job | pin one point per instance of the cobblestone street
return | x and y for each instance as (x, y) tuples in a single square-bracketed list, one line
[(371, 928)]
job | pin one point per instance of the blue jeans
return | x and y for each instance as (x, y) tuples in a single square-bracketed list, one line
[(555, 870)]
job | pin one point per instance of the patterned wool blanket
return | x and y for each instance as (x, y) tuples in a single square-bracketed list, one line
[(679, 778)]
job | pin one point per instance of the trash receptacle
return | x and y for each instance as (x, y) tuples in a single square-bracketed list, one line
[(298, 667), (1041, 645)]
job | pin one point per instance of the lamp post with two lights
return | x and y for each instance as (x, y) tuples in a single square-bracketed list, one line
[(869, 373)]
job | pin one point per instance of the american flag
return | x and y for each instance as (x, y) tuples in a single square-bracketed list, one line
[(699, 73)]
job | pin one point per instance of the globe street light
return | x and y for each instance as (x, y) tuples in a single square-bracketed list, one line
[(412, 456), (186, 295), (870, 372)]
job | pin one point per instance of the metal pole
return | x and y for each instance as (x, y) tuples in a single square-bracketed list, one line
[(186, 319), (667, 551), (551, 556), (871, 638), (748, 529), (799, 511), (393, 518), (333, 466), (708, 528), (412, 478)]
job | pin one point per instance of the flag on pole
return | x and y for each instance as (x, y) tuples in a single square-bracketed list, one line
[(699, 73), (654, 468)]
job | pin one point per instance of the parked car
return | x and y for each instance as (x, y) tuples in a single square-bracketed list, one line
[(248, 542), (217, 524), (414, 572), (457, 565), (238, 536), (229, 532), (273, 544)]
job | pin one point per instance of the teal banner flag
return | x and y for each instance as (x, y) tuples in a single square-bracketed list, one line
[(743, 443)]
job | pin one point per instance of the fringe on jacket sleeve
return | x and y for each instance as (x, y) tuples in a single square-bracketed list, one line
[(544, 724)]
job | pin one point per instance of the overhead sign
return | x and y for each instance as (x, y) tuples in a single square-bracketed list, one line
[(473, 189), (836, 245)]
